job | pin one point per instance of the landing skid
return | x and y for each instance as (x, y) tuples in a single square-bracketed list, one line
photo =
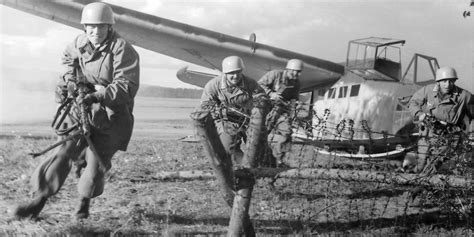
[(383, 156), (380, 149)]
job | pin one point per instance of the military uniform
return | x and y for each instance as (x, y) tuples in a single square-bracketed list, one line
[(229, 124), (114, 69), (279, 119), (455, 109)]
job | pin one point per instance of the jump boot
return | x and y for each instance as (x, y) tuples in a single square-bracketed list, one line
[(83, 211), (31, 209)]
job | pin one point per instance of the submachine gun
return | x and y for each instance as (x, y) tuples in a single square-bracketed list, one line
[(82, 127), (224, 112)]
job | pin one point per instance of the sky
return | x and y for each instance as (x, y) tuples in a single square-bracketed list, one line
[(31, 47), (316, 28)]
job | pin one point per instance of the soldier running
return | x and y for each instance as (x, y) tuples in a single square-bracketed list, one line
[(105, 67)]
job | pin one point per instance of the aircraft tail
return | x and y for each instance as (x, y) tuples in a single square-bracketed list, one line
[(194, 77)]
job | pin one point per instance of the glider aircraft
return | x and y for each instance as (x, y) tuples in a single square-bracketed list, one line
[(358, 106)]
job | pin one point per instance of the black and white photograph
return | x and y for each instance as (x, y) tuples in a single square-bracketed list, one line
[(236, 117)]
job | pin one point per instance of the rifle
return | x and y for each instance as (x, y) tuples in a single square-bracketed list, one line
[(236, 111), (84, 128)]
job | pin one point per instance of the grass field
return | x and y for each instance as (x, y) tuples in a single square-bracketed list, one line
[(136, 202)]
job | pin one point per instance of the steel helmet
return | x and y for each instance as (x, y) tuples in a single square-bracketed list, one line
[(445, 73), (232, 64), (295, 64), (97, 13)]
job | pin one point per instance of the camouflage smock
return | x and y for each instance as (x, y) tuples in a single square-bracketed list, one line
[(240, 97), (115, 67), (277, 81), (456, 108)]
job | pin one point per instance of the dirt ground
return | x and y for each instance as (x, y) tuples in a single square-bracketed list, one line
[(136, 202)]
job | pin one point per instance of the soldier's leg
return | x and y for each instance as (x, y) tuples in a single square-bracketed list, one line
[(231, 140), (284, 128), (224, 168), (92, 181), (433, 148), (49, 177), (422, 154), (447, 153), (280, 138)]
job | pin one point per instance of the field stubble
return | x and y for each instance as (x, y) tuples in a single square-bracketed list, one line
[(135, 201)]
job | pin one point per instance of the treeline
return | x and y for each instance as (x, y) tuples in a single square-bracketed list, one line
[(158, 91)]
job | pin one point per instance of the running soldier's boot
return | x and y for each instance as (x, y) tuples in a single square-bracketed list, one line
[(31, 209), (83, 211)]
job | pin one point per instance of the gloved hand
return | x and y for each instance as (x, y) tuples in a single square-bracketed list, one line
[(87, 99), (275, 96)]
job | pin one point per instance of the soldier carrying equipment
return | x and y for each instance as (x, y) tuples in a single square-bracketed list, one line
[(82, 127), (96, 123), (232, 112), (282, 86), (443, 109)]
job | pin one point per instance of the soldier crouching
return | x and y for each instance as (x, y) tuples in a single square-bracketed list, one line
[(230, 123), (445, 112)]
